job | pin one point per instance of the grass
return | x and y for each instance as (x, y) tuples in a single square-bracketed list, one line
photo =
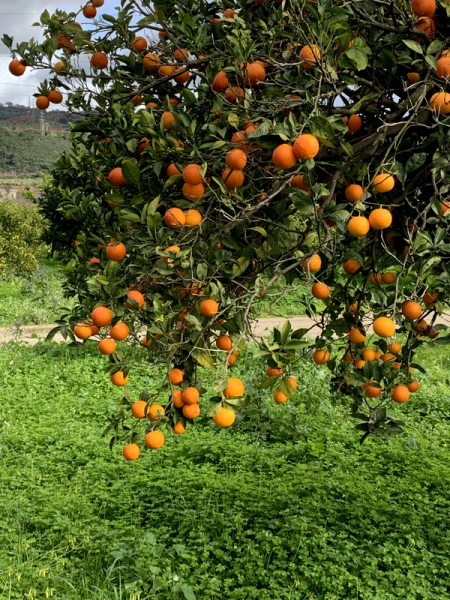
[(33, 300), (286, 505)]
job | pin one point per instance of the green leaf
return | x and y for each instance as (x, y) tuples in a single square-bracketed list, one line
[(260, 230), (204, 359), (286, 387), (188, 592), (131, 171), (285, 331), (435, 47), (415, 161), (431, 60), (321, 127), (172, 181), (189, 97), (358, 57), (415, 46), (242, 264)]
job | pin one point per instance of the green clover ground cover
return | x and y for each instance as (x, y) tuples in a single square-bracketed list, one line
[(287, 505)]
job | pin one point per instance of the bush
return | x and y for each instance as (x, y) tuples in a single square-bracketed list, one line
[(21, 230)]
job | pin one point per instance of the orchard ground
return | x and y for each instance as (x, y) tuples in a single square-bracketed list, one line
[(288, 505)]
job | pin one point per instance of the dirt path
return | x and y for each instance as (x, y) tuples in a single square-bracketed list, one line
[(33, 333)]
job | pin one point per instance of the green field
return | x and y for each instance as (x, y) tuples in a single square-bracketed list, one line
[(286, 505)]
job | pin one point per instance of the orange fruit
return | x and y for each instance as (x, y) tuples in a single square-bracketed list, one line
[(445, 208), (177, 399), (190, 395), (89, 11), (388, 357), (224, 417), (274, 371), (42, 102), (137, 297), (423, 8), (168, 119), (233, 179), (193, 192), (384, 327), (375, 278), (55, 97), (321, 356), (64, 42), (426, 24), (284, 157), (183, 76), (101, 316), (440, 102), (356, 336), (306, 146), (360, 364), (192, 174), (389, 278), (138, 409), (139, 43), (234, 389), (400, 394), (17, 67), (350, 266), (372, 391), (175, 376), (354, 124), (175, 249), (422, 326), (394, 347), (430, 298), (116, 251), (154, 439), (292, 382), (380, 218), (413, 77), (179, 428), (191, 411), (181, 55), (232, 360), (116, 178), (99, 60), (234, 94), (209, 308), (172, 170), (107, 346), (354, 192), (382, 183), (151, 62), (254, 74), (118, 379), (312, 263), (131, 451), (82, 331), (224, 342), (279, 397), (174, 218), (193, 218), (443, 68), (155, 412), (309, 56), (120, 331), (358, 226), (411, 310), (413, 386), (298, 182), (320, 291), (220, 83), (59, 67), (369, 354), (236, 159)]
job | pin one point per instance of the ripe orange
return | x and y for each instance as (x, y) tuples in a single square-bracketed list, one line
[(236, 159), (183, 76), (292, 382), (358, 226), (234, 94), (191, 395), (175, 376), (384, 327), (224, 342), (354, 124), (350, 266), (220, 82), (445, 208), (369, 354), (192, 174), (232, 359), (55, 97), (354, 192), (382, 183), (139, 43), (138, 409), (440, 102), (59, 67), (172, 170), (413, 77), (298, 182), (191, 411), (430, 298), (372, 391), (175, 218), (42, 102), (82, 331), (64, 42), (17, 67), (151, 62), (380, 218), (107, 346), (118, 379), (423, 8), (167, 70), (116, 251), (131, 451), (443, 68), (321, 356), (360, 364), (181, 55), (388, 357), (120, 331), (279, 397), (154, 439), (254, 74), (389, 278), (234, 389), (400, 394), (179, 428), (426, 24), (284, 156), (312, 264), (320, 291), (394, 347), (155, 412), (411, 310), (274, 371), (422, 326), (137, 297), (175, 249), (168, 119), (309, 56), (89, 11), (224, 417), (375, 278), (116, 178), (101, 316), (193, 218), (356, 336), (209, 308), (413, 386), (99, 60), (306, 146), (233, 179)]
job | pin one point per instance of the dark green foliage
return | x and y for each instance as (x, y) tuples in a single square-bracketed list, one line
[(306, 514)]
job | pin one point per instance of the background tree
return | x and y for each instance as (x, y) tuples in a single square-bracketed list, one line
[(225, 149)]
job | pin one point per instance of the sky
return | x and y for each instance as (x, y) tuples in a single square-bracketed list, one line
[(16, 20)]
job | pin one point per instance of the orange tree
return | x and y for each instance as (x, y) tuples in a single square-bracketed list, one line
[(221, 149)]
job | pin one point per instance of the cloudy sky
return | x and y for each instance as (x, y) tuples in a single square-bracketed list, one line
[(16, 20)]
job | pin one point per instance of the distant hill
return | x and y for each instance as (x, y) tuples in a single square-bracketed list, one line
[(31, 141)]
